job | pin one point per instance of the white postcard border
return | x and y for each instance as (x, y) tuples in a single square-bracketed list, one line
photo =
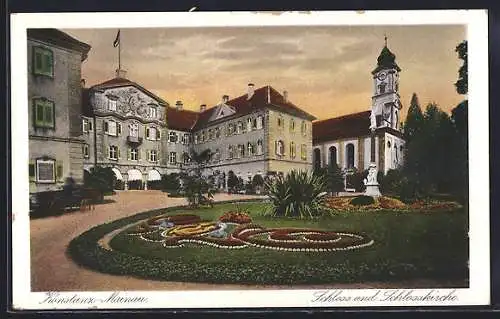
[(477, 294)]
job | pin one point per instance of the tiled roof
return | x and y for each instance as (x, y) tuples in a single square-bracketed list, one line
[(182, 120), (121, 82), (262, 97), (59, 38), (351, 125)]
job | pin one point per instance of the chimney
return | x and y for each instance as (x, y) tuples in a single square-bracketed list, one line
[(82, 83), (225, 99), (203, 107), (250, 90), (121, 73), (178, 105), (285, 96)]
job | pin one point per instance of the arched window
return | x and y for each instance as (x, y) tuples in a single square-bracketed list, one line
[(250, 149), (259, 122), (350, 155), (332, 152), (239, 128), (241, 150), (249, 124), (317, 159), (280, 147), (185, 158), (230, 153), (259, 147)]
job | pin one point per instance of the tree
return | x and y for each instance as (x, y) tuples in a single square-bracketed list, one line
[(334, 178), (232, 181), (462, 82), (100, 178), (414, 119), (171, 182), (197, 189)]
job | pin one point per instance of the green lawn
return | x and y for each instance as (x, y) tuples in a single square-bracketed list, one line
[(430, 245)]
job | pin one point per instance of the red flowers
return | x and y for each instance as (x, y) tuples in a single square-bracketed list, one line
[(235, 217)]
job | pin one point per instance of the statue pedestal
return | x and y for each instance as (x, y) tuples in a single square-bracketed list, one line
[(372, 190), (371, 183)]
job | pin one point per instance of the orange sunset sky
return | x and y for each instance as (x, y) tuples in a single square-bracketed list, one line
[(326, 70)]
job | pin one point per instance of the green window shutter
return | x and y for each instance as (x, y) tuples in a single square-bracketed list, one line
[(139, 152), (148, 155), (105, 126), (158, 134), (31, 170), (117, 152), (39, 109), (276, 147), (49, 63), (119, 128), (49, 114), (107, 151), (129, 154), (59, 170), (37, 68), (147, 132)]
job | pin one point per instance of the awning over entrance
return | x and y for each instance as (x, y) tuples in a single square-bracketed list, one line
[(134, 175), (117, 174), (154, 175)]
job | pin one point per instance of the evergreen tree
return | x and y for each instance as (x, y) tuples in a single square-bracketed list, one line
[(334, 178), (462, 83), (414, 119)]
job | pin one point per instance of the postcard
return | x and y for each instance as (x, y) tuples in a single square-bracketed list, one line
[(250, 159)]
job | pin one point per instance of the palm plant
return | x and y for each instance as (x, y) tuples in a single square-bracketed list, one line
[(298, 194)]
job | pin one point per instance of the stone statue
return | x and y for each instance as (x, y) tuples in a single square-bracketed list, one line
[(373, 121)]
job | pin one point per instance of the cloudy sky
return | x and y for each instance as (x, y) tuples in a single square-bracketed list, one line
[(326, 70)]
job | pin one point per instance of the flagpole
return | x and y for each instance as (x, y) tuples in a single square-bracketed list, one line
[(119, 51)]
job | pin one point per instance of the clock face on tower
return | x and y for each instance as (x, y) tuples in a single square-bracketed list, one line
[(382, 76)]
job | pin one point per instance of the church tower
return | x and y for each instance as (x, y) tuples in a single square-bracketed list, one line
[(386, 103)]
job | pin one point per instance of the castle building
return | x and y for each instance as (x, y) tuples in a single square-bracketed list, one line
[(346, 140), (142, 137), (54, 110)]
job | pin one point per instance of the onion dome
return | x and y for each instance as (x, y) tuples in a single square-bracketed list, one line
[(386, 60)]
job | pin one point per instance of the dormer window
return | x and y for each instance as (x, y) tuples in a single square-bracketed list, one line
[(210, 134), (249, 124), (259, 122), (239, 128), (292, 125), (172, 137), (217, 132), (111, 105)]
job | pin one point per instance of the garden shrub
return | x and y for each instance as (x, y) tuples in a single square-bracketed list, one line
[(155, 185), (362, 200), (100, 178), (135, 184), (298, 194), (170, 182)]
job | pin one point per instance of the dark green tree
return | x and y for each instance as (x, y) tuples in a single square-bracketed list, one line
[(232, 181), (414, 119), (462, 82), (197, 188), (334, 178)]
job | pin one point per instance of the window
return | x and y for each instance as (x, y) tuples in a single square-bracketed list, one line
[(216, 155), (185, 139), (292, 150), (280, 148), (86, 125), (249, 124), (172, 137), (152, 133), (210, 134), (43, 61), (230, 129), (239, 128), (250, 149), (31, 170), (134, 129), (185, 158), (111, 105), (44, 113), (259, 147), (292, 125), (259, 122), (203, 136), (388, 144), (303, 128), (280, 122), (217, 132), (173, 158), (86, 153), (381, 88), (112, 128), (45, 171), (196, 138), (303, 152), (152, 112), (134, 154), (401, 148), (350, 155), (241, 150), (152, 156), (113, 152), (333, 155), (230, 153)]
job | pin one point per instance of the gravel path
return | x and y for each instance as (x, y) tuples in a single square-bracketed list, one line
[(53, 270)]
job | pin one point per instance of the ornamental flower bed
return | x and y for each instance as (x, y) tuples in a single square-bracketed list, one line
[(388, 203), (235, 217)]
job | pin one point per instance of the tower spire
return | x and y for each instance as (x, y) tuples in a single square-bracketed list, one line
[(385, 39)]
